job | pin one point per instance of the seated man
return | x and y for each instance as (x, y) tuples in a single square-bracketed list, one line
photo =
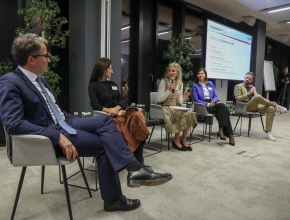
[(245, 92), (29, 106)]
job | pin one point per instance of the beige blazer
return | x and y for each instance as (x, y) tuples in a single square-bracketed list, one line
[(241, 93)]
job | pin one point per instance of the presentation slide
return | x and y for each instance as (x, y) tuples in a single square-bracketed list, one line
[(228, 52)]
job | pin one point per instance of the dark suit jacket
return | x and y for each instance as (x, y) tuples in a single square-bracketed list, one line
[(198, 95), (23, 109)]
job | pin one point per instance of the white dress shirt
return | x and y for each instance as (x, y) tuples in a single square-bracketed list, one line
[(32, 77)]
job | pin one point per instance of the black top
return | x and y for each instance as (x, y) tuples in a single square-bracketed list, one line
[(282, 76), (105, 95), (248, 90)]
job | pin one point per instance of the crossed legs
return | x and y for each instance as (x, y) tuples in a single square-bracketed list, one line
[(264, 106), (94, 139)]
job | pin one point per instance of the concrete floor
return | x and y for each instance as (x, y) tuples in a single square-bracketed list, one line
[(214, 181)]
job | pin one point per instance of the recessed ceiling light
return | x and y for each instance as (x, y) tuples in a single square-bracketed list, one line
[(281, 9), (165, 32), (125, 27), (124, 41)]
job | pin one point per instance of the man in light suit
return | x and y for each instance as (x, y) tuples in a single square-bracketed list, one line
[(245, 92), (25, 108)]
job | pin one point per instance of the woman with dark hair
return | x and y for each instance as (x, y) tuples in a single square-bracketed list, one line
[(105, 96), (203, 91), (170, 93)]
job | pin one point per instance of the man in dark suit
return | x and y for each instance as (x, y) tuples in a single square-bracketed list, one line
[(29, 106)]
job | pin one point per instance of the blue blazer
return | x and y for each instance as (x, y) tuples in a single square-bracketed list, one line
[(198, 95), (23, 109)]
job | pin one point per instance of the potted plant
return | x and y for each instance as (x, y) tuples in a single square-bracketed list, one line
[(177, 51), (42, 17)]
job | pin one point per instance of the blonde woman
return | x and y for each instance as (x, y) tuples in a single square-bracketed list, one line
[(170, 93)]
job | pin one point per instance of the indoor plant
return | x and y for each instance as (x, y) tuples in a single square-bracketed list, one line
[(42, 17), (178, 51)]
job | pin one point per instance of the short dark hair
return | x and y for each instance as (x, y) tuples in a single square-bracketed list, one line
[(250, 73), (285, 67), (26, 45), (100, 67), (195, 79)]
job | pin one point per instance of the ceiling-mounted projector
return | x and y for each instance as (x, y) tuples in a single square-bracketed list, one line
[(249, 20)]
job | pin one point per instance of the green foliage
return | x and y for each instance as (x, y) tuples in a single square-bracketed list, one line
[(52, 77), (53, 80), (42, 15), (276, 73), (177, 51), (5, 67)]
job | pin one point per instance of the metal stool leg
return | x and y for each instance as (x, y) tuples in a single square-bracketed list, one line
[(42, 178), (249, 126), (237, 122), (66, 191), (18, 191), (151, 133), (84, 176), (262, 122)]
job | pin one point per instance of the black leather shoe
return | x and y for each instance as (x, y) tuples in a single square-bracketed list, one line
[(178, 148), (188, 148), (146, 177), (122, 204)]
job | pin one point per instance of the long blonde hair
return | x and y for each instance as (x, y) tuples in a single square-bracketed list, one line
[(178, 68)]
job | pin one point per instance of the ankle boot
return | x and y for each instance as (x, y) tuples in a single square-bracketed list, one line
[(139, 153)]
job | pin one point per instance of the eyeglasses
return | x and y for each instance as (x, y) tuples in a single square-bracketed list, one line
[(39, 55)]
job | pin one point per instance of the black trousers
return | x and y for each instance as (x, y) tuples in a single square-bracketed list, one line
[(284, 102), (222, 115)]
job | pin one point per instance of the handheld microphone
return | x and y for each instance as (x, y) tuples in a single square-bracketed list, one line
[(172, 81), (133, 105)]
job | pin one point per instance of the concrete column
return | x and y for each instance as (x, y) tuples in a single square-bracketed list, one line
[(85, 45)]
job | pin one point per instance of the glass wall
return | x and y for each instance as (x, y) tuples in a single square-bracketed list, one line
[(125, 42), (279, 54), (194, 33), (164, 37)]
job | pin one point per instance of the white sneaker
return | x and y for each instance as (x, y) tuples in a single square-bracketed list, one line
[(269, 136), (280, 108)]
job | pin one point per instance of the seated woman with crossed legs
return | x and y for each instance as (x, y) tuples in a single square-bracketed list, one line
[(170, 93), (105, 96), (204, 92)]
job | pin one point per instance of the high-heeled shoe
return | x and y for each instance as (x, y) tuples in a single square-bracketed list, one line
[(188, 147), (178, 148), (218, 135), (231, 140)]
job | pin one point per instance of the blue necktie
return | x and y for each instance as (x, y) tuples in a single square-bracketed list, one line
[(56, 112)]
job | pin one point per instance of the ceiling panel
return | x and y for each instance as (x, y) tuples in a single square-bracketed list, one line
[(236, 10), (257, 5)]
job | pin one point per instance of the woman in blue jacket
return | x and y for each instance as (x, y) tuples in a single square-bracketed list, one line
[(203, 91)]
